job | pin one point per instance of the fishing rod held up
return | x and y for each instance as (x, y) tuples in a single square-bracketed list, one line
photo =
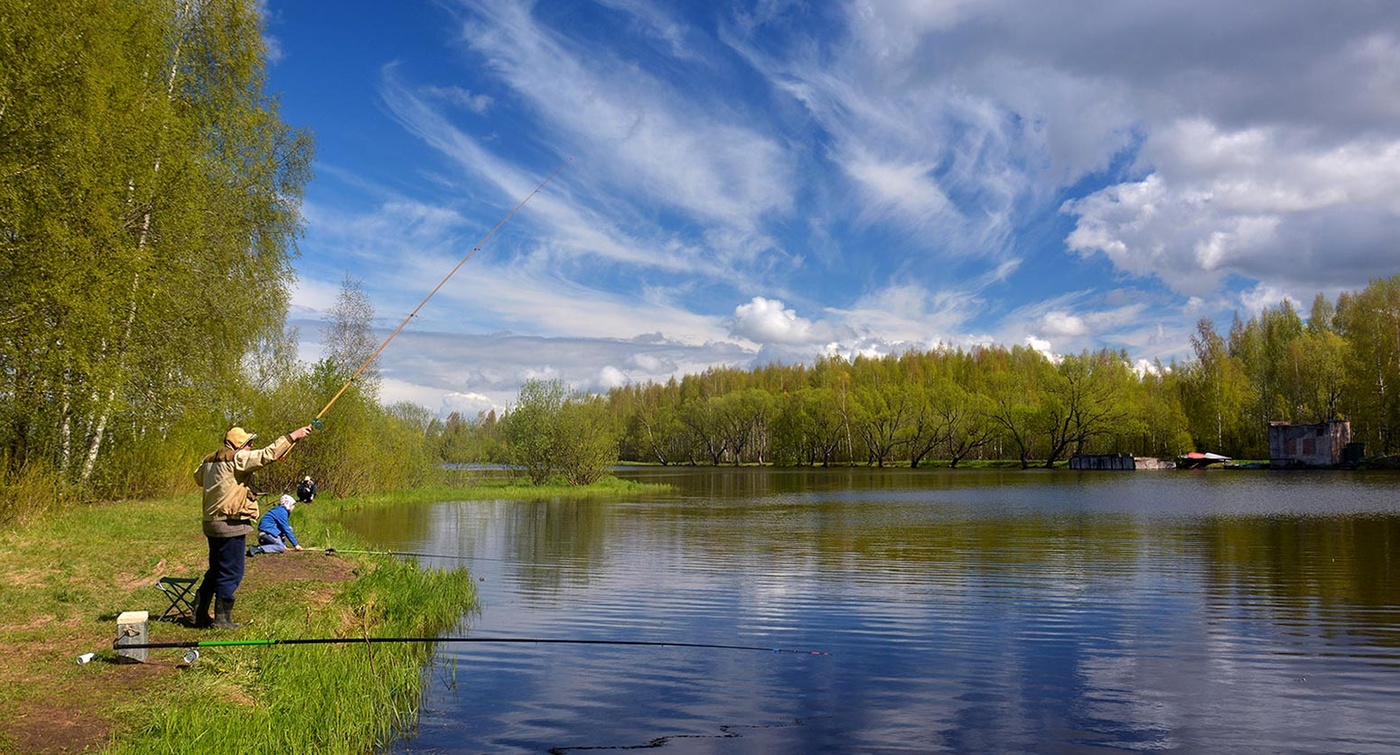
[(316, 421)]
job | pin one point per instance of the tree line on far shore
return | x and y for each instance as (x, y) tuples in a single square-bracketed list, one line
[(953, 405)]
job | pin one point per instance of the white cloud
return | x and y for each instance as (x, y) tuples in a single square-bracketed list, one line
[(900, 187), (769, 321), (1261, 297), (611, 377), (1044, 347), (654, 19), (468, 404), (1248, 203), (909, 313), (313, 298), (461, 97), (1063, 324), (680, 150), (472, 372)]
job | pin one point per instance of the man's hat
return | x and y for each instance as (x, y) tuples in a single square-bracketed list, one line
[(237, 438)]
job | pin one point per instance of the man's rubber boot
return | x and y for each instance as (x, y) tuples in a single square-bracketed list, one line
[(223, 614), (202, 619)]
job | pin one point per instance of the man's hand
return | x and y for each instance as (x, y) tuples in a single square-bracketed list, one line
[(299, 433), (300, 548)]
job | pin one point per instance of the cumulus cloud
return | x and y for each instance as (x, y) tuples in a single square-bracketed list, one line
[(1246, 203), (474, 372), (1237, 167), (611, 377), (1063, 324), (1043, 346), (467, 404), (770, 321)]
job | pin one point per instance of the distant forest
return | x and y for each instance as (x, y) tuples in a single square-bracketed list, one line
[(951, 405)]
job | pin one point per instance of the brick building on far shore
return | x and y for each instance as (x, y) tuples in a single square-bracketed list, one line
[(1321, 445)]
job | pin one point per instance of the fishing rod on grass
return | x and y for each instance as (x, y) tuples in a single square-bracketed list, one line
[(411, 554), (316, 421), (192, 646)]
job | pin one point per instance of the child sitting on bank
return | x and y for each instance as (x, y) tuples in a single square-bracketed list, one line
[(275, 529)]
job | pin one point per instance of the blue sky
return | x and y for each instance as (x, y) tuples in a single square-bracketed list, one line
[(772, 180)]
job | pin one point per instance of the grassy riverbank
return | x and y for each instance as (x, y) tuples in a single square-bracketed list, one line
[(67, 573), (64, 579)]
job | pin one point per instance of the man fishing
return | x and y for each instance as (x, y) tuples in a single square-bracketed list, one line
[(230, 513)]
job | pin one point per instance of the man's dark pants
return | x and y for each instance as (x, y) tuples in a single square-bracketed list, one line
[(226, 559)]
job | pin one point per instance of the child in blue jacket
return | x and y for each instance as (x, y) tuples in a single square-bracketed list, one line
[(275, 529)]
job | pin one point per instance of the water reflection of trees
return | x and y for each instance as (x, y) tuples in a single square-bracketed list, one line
[(390, 525), (557, 532), (1327, 575), (1336, 575), (1323, 575)]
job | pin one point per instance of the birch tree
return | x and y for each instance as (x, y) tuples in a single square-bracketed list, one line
[(148, 207)]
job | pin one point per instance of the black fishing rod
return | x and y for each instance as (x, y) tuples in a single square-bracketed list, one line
[(316, 421), (117, 645), (195, 645), (331, 551)]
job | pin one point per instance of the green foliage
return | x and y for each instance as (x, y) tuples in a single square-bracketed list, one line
[(85, 565), (30, 491), (464, 441), (1216, 393), (810, 427), (363, 447), (148, 203), (588, 444), (531, 429), (1369, 321), (551, 433)]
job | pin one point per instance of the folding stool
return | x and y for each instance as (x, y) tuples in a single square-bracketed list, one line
[(180, 591)]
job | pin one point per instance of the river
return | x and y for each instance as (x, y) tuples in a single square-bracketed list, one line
[(959, 610)]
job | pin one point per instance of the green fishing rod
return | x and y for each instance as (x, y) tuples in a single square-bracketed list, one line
[(316, 421)]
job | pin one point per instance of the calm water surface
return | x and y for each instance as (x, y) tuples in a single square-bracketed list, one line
[(963, 611)]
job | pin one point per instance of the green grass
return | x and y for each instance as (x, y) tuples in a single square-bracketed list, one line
[(65, 576), (475, 486), (346, 698), (67, 571)]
